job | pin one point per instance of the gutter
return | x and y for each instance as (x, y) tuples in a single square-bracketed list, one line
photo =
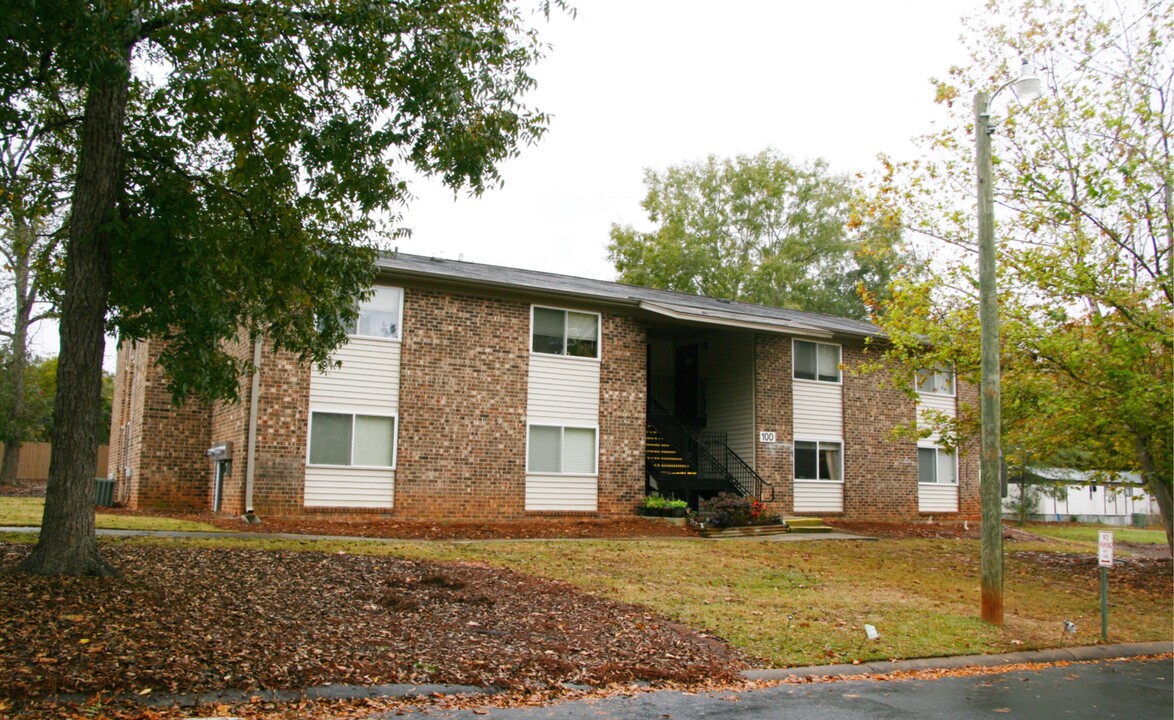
[(251, 457)]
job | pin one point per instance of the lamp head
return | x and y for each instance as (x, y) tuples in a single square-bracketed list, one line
[(1027, 86)]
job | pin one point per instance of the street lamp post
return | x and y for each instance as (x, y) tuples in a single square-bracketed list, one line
[(1026, 88)]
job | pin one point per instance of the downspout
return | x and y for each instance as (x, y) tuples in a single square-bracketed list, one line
[(252, 449)]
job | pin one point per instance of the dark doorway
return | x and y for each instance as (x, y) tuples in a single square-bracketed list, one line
[(687, 383)]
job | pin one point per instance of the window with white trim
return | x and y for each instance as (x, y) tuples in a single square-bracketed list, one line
[(938, 380), (379, 316), (561, 450), (816, 361), (564, 332), (347, 439), (819, 460), (936, 466)]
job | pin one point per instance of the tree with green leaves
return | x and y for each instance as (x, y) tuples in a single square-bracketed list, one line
[(1085, 226), (35, 173), (761, 228), (237, 165)]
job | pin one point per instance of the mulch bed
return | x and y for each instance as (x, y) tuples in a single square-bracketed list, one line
[(381, 527), (192, 620)]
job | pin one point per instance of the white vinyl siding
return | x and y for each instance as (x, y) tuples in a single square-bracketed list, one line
[(818, 496), (367, 380), (729, 363), (562, 411), (934, 403), (561, 493), (349, 487), (366, 384), (937, 498), (818, 409), (937, 480), (563, 389), (561, 469)]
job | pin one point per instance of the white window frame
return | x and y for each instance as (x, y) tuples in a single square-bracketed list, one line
[(937, 463), (563, 427), (839, 362), (353, 331), (818, 442), (354, 414), (566, 320), (933, 374)]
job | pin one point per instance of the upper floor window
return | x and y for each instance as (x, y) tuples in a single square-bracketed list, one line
[(817, 361), (939, 380), (565, 332), (380, 315)]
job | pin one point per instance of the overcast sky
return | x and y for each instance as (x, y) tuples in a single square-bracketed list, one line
[(636, 84)]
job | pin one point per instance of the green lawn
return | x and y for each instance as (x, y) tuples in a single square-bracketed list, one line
[(807, 603), (26, 512), (1088, 533), (796, 603)]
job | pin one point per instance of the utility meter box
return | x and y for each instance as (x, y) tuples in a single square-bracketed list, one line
[(220, 451)]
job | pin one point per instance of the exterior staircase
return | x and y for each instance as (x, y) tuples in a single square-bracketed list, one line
[(664, 462)]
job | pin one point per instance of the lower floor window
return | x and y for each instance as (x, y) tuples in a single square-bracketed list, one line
[(346, 439), (557, 449), (818, 460), (935, 465)]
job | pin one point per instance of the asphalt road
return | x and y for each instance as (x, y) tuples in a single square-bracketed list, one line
[(1127, 689)]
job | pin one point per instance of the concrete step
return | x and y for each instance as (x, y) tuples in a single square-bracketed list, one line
[(745, 531)]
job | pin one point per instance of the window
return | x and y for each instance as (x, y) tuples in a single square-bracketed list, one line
[(380, 315), (817, 361), (345, 439), (565, 332), (818, 460), (555, 449), (938, 380), (935, 465)]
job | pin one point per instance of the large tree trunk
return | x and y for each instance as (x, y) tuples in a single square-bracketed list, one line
[(68, 544)]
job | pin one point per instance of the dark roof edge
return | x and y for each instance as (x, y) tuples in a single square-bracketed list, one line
[(463, 273)]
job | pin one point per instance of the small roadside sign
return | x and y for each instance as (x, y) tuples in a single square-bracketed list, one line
[(1105, 549)]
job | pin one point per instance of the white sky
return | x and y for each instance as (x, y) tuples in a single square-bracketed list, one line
[(636, 84)]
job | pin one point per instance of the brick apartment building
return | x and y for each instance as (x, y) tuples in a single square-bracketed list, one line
[(476, 392)]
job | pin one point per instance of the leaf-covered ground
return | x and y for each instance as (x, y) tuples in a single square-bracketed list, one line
[(192, 620)]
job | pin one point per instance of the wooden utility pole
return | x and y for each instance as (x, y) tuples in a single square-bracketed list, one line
[(988, 314)]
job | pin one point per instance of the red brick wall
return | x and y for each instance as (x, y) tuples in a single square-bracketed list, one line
[(969, 456), (229, 423), (167, 465), (283, 425), (622, 390), (880, 471), (773, 413), (462, 436)]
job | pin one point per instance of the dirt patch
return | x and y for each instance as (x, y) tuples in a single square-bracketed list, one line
[(188, 620)]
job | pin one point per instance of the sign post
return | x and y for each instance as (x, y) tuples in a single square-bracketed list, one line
[(1105, 561)]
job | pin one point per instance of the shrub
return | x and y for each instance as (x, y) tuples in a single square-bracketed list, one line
[(728, 510)]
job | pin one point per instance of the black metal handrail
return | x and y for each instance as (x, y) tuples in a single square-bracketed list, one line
[(709, 454)]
